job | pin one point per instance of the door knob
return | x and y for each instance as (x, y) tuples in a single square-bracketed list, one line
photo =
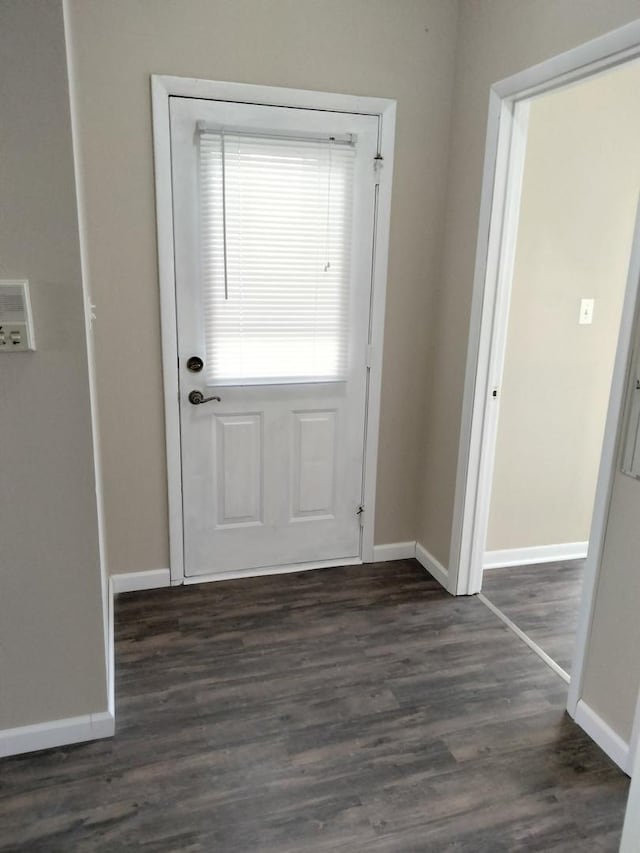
[(197, 397)]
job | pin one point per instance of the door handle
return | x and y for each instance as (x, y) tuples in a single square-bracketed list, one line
[(197, 397)]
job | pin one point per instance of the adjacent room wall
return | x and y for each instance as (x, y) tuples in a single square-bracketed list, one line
[(579, 199), (366, 47), (52, 653), (497, 38)]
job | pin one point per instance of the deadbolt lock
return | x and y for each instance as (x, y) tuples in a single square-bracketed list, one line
[(195, 364)]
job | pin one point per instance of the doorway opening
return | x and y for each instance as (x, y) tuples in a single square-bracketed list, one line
[(567, 266), (509, 106)]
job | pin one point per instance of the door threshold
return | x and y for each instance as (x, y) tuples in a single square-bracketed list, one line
[(234, 574), (564, 675)]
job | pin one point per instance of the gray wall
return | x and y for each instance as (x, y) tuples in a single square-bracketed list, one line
[(579, 199), (368, 47), (52, 661)]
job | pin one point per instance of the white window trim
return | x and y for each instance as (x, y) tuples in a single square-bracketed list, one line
[(162, 88)]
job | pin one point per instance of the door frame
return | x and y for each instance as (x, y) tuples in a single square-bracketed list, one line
[(162, 88), (499, 209)]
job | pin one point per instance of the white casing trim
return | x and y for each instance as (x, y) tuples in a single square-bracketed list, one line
[(131, 581), (56, 733), (634, 743), (393, 551), (89, 317), (433, 566), (535, 554), (608, 741), (111, 653)]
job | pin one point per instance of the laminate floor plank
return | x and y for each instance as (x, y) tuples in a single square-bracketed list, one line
[(350, 709), (543, 600)]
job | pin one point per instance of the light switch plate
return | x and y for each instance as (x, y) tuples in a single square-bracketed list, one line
[(586, 312), (16, 321)]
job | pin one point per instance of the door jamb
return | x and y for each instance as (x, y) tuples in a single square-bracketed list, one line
[(504, 148), (162, 88)]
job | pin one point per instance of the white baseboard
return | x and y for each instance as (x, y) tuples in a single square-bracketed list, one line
[(56, 733), (611, 743), (535, 554), (131, 581), (394, 551), (433, 566)]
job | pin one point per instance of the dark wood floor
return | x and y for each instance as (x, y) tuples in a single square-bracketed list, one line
[(358, 709), (543, 600)]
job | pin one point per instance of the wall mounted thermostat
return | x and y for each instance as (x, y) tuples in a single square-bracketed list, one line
[(16, 320)]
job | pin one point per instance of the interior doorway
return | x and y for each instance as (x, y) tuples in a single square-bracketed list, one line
[(578, 190), (509, 104)]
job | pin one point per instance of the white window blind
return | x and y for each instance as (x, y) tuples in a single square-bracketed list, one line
[(275, 257)]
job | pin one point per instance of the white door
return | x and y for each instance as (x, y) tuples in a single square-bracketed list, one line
[(273, 229)]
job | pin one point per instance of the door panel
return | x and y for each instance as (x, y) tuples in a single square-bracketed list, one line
[(272, 471), (239, 469), (314, 465)]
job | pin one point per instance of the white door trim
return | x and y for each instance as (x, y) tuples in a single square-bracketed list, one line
[(503, 155), (162, 88)]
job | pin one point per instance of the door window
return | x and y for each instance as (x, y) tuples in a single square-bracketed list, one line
[(275, 253)]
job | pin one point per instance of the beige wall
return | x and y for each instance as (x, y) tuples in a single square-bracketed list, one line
[(496, 38), (579, 199), (367, 47), (52, 661)]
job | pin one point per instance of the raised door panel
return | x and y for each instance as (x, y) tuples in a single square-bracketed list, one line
[(239, 469), (314, 465)]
